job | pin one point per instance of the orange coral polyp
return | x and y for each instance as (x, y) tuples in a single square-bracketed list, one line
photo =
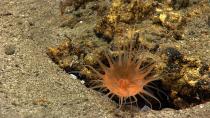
[(125, 77), (123, 81)]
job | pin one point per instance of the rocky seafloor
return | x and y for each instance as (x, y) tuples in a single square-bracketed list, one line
[(38, 44)]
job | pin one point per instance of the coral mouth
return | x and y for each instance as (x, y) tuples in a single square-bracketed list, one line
[(124, 88)]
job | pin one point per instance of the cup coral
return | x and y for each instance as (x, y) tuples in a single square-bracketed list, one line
[(126, 76)]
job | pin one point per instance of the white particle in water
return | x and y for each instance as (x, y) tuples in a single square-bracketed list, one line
[(73, 76), (82, 82)]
